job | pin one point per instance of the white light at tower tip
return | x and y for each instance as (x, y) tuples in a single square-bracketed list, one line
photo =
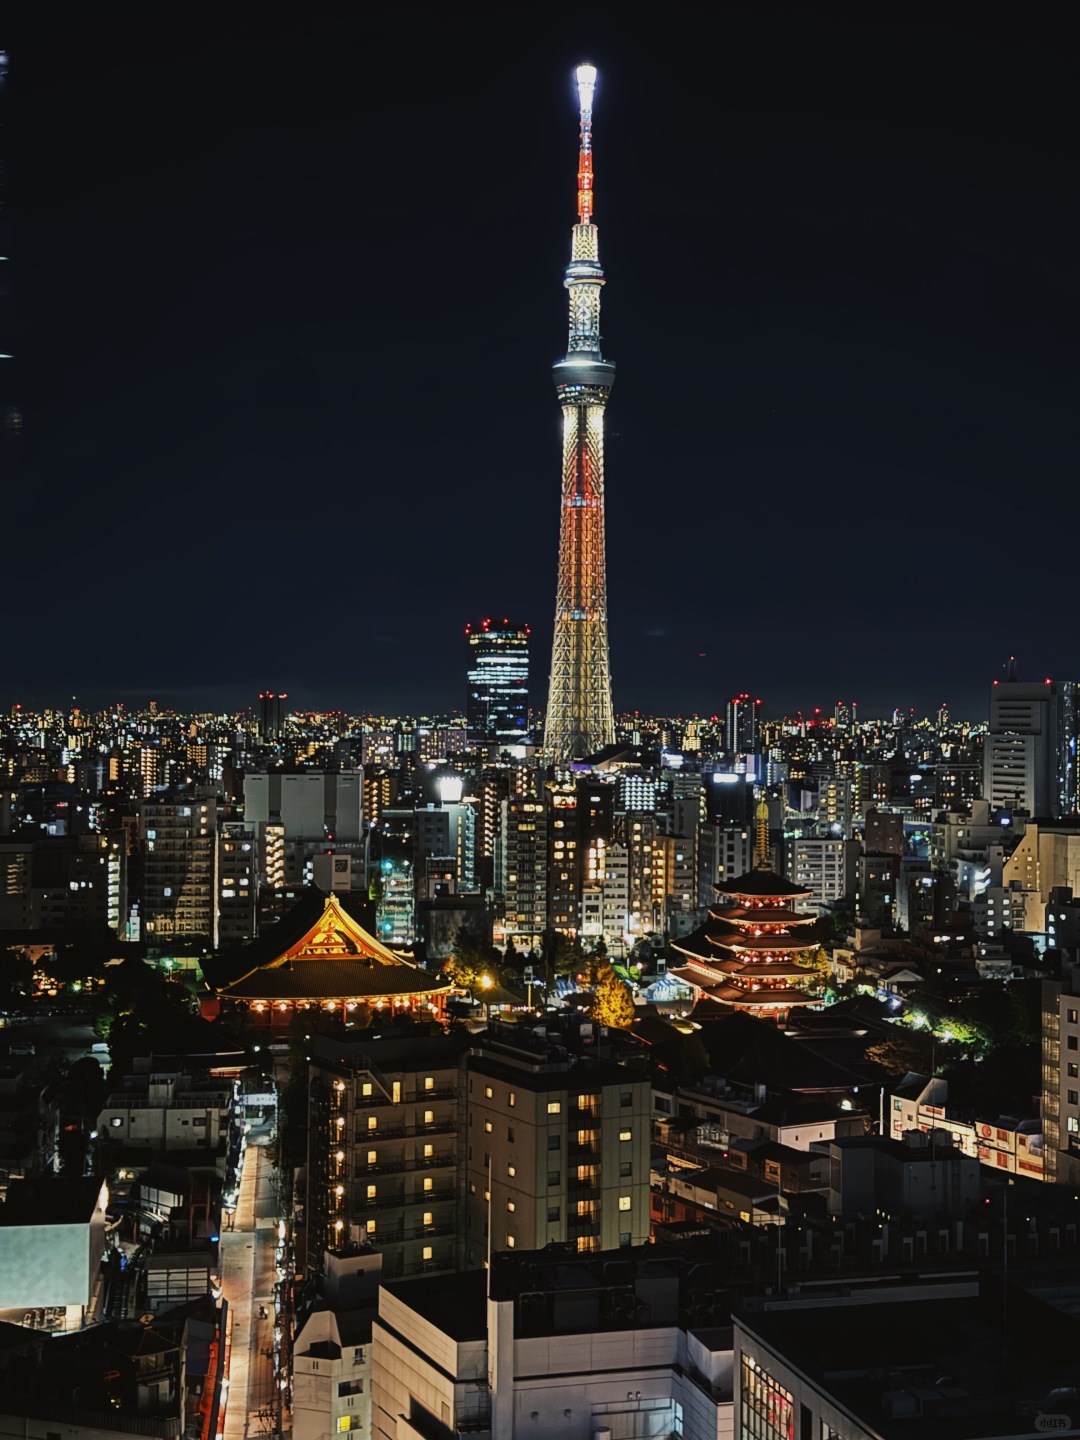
[(586, 83)]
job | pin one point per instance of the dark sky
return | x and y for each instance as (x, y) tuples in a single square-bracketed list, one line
[(289, 285)]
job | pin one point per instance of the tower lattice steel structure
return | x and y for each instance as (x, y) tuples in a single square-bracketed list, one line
[(579, 713)]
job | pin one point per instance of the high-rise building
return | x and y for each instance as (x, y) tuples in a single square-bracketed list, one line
[(580, 718), (271, 714), (497, 708), (741, 725), (179, 846), (1029, 759)]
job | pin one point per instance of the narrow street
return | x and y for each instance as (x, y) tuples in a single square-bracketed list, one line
[(248, 1275)]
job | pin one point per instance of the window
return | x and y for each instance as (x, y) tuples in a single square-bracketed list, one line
[(625, 1239), (1074, 1125), (428, 1252), (510, 1134), (1071, 1016), (429, 1217), (1073, 1098), (509, 1242), (487, 1197), (371, 1227), (553, 1142), (429, 1117), (365, 1088), (372, 1191), (511, 1206), (429, 1184), (554, 1107), (626, 1098), (488, 1126), (429, 1152), (625, 1169), (768, 1411), (626, 1134), (116, 1121), (472, 1186), (488, 1092), (624, 1202), (1070, 1042), (513, 1099), (554, 1177), (372, 1122), (429, 1082), (511, 1170), (372, 1157), (1074, 1070), (554, 1212)]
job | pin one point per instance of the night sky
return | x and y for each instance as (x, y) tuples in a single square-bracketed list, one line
[(289, 290)]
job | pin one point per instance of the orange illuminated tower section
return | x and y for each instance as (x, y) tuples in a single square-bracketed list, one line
[(579, 718)]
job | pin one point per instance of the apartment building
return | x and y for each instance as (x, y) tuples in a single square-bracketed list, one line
[(557, 1148)]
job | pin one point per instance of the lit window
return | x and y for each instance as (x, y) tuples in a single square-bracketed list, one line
[(511, 1206), (365, 1088), (487, 1195), (429, 1117), (428, 1183), (371, 1192), (429, 1217), (372, 1156), (554, 1107), (428, 1252), (371, 1227), (429, 1152), (488, 1092), (372, 1122), (624, 1202), (626, 1134), (509, 1242), (513, 1098), (429, 1082), (511, 1170), (487, 1126)]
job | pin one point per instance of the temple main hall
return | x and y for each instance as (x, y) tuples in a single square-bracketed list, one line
[(319, 956)]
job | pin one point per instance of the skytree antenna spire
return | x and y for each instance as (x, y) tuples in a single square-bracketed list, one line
[(580, 719)]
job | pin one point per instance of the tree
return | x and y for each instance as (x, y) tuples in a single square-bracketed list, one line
[(611, 1004), (903, 1050)]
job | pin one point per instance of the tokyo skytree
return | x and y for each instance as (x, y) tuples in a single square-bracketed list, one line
[(579, 719)]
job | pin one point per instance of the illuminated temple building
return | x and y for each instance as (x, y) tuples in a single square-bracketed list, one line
[(744, 956), (320, 956)]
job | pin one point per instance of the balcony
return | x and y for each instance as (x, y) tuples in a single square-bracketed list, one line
[(587, 1150), (584, 1189)]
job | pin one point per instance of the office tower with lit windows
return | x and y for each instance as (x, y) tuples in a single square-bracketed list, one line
[(1029, 758), (741, 718), (580, 719), (497, 709)]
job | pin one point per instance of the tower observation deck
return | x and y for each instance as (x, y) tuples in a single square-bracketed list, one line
[(579, 716)]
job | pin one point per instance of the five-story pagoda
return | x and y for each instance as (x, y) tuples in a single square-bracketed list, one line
[(744, 956)]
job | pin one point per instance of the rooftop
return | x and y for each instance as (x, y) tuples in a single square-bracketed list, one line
[(51, 1200)]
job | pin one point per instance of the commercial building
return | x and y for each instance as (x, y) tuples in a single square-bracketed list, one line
[(889, 1358), (497, 706), (629, 1345), (1029, 758), (52, 1238)]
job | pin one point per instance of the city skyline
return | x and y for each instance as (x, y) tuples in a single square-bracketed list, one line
[(870, 307)]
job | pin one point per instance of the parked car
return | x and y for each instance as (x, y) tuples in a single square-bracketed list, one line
[(21, 1047)]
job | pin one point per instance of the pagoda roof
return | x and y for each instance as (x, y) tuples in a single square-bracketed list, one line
[(733, 939), (758, 999), (319, 950), (734, 913), (761, 885)]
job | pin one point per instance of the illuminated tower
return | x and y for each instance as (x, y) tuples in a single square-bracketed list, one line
[(579, 715)]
